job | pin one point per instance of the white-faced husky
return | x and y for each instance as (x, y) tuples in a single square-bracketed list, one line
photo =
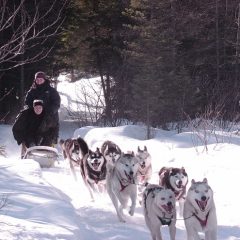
[(200, 212), (159, 209), (145, 165), (175, 179), (121, 185)]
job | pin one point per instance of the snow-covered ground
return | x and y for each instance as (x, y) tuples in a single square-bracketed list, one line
[(45, 204)]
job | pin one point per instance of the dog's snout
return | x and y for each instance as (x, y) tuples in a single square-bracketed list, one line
[(203, 198), (95, 161), (131, 172), (180, 182), (169, 203)]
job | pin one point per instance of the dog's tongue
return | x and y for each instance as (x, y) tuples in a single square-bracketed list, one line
[(202, 204), (168, 208), (179, 185), (95, 166)]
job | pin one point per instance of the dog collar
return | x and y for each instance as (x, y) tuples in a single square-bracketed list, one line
[(165, 221)]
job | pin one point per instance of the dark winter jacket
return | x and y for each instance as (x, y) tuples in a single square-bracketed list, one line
[(47, 93), (26, 127), (51, 99)]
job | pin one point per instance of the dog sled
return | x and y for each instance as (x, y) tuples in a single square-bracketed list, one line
[(44, 155)]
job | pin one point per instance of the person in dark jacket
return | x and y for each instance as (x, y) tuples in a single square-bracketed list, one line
[(41, 89), (27, 128)]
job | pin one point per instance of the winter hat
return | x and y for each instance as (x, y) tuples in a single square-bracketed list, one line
[(40, 75), (37, 102)]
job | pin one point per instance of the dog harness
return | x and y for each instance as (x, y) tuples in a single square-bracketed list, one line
[(143, 173), (123, 182), (202, 222)]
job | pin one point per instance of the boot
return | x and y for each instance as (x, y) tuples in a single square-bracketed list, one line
[(23, 150)]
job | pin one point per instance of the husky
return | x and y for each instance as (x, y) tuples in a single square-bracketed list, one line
[(74, 149), (175, 179), (200, 212), (159, 209), (111, 152), (93, 170), (145, 166), (121, 185)]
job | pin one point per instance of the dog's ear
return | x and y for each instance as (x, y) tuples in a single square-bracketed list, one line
[(117, 147), (145, 148), (205, 180), (97, 150), (133, 154), (138, 149), (107, 147), (61, 141), (193, 181), (90, 151)]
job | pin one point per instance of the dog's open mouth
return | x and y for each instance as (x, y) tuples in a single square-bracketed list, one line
[(143, 165), (202, 204), (95, 165), (168, 208), (179, 184), (129, 177)]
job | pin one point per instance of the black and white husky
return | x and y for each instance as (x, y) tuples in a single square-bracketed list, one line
[(159, 209), (175, 179), (200, 212), (93, 169), (121, 185), (74, 149)]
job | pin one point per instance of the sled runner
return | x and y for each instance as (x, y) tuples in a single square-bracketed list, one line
[(44, 155)]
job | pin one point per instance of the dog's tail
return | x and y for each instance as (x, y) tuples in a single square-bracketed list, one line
[(61, 142), (83, 146)]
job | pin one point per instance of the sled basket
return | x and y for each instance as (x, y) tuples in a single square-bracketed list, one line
[(44, 155)]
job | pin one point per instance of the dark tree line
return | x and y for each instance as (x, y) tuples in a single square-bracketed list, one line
[(159, 61)]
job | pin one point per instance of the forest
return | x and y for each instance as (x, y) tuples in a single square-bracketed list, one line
[(159, 61)]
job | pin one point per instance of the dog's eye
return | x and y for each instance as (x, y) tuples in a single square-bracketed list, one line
[(196, 191), (126, 165), (206, 191), (163, 198), (170, 197)]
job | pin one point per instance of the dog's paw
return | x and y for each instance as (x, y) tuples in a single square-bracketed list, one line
[(131, 212), (121, 219)]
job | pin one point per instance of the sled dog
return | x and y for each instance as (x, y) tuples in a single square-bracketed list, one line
[(145, 166), (175, 179), (111, 152), (200, 212), (74, 149), (93, 170), (121, 185), (159, 209)]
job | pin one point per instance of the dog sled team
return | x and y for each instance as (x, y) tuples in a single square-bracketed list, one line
[(126, 178)]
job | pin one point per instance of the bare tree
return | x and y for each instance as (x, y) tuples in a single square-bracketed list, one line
[(89, 104), (22, 29)]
